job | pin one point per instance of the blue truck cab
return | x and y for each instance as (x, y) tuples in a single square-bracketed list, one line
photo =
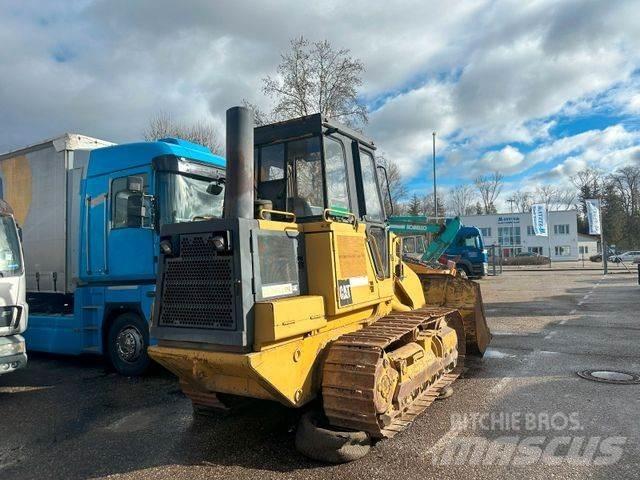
[(126, 193), (467, 250)]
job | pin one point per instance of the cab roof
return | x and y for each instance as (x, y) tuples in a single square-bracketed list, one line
[(315, 124), (128, 155)]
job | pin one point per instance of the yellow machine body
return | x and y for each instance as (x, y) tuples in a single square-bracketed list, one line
[(299, 291), (292, 333)]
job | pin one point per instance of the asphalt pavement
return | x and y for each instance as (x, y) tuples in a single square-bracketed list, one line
[(521, 412)]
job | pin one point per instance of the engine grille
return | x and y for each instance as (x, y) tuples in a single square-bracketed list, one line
[(197, 290)]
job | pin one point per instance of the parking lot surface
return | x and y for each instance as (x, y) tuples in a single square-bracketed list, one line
[(70, 418)]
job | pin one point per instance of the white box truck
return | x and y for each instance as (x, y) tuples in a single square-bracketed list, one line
[(13, 307)]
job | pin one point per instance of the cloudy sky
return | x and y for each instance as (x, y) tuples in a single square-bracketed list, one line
[(536, 90)]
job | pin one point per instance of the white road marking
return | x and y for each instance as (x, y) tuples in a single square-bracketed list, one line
[(493, 353), (501, 384)]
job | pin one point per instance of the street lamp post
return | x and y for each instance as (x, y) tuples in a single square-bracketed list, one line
[(435, 193)]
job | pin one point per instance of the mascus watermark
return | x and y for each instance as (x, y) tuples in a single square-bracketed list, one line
[(526, 438)]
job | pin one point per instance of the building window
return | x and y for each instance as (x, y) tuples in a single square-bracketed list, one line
[(561, 229), (583, 249), (485, 232), (509, 236), (537, 250), (563, 251), (511, 252), (530, 230)]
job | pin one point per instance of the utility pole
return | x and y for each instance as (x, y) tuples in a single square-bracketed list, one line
[(435, 193), (605, 265)]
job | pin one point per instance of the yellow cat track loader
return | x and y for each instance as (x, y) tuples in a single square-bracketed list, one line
[(299, 291)]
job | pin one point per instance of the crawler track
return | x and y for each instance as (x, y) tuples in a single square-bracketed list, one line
[(352, 371)]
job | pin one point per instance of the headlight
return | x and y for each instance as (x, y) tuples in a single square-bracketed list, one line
[(8, 316), (13, 347), (219, 243), (165, 247)]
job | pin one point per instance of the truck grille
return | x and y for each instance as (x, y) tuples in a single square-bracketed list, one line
[(197, 290)]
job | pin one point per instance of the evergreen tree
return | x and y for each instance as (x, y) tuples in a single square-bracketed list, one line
[(415, 206)]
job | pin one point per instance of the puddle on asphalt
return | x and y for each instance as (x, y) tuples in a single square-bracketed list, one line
[(149, 418), (493, 353)]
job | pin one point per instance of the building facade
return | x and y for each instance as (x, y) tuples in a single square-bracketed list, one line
[(513, 232), (588, 245)]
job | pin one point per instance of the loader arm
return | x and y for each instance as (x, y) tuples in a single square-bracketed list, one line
[(443, 233)]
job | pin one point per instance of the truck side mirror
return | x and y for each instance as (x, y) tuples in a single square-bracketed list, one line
[(216, 187), (135, 184), (136, 211)]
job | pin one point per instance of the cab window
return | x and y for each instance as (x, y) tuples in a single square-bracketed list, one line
[(336, 173), (130, 206), (271, 185), (304, 165), (290, 175), (370, 186), (409, 245)]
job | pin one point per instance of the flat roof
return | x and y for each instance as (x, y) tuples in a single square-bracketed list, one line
[(66, 141)]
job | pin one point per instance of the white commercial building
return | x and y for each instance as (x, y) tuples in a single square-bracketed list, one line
[(588, 245), (513, 232)]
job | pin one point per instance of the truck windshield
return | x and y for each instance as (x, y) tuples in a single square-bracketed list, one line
[(184, 198), (473, 242), (10, 258)]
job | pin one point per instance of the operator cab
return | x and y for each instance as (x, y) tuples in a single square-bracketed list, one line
[(314, 167), (310, 164)]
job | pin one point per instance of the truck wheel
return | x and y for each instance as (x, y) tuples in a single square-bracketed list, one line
[(127, 344), (329, 446), (464, 271)]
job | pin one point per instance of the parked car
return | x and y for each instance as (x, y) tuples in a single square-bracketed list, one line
[(527, 254), (598, 256), (632, 256)]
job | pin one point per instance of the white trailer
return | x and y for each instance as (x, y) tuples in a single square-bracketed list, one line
[(42, 184)]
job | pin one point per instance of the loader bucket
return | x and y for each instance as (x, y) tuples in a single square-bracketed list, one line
[(448, 290)]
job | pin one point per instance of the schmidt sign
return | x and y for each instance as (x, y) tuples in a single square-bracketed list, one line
[(508, 219)]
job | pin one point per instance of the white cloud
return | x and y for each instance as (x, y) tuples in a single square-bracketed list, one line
[(483, 74), (506, 161)]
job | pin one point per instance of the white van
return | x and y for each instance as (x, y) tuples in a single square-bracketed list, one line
[(13, 307)]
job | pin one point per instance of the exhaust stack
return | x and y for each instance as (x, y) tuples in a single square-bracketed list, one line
[(239, 183)]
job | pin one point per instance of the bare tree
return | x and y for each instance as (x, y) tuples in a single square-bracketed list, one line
[(566, 199), (315, 78), (397, 188), (547, 195), (489, 188), (203, 132), (429, 211), (460, 200), (587, 179), (627, 183), (523, 201)]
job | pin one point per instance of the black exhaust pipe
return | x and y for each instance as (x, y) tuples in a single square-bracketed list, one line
[(238, 193)]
